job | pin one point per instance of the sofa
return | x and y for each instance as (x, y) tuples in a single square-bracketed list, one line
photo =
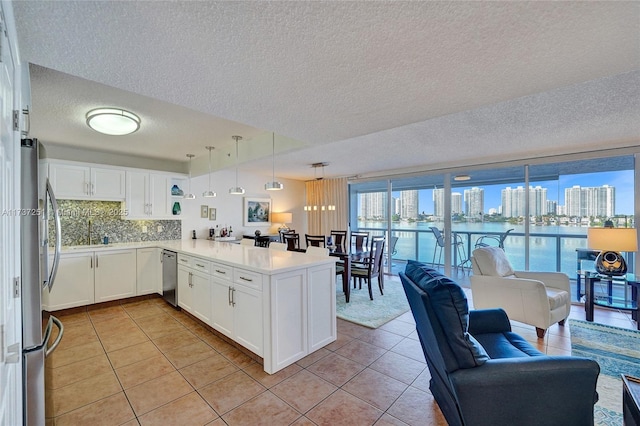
[(484, 374)]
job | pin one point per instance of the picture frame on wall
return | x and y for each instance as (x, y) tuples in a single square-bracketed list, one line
[(257, 211), (204, 211), (212, 213)]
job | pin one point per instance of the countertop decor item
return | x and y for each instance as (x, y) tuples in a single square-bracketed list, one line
[(176, 191), (176, 210)]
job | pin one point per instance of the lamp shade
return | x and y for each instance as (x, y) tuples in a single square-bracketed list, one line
[(283, 217), (612, 239)]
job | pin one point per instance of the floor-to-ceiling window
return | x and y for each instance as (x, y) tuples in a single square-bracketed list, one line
[(546, 208)]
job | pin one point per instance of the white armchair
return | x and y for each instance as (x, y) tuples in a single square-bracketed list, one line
[(535, 298)]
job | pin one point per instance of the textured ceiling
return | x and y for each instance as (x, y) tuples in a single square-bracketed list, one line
[(366, 86)]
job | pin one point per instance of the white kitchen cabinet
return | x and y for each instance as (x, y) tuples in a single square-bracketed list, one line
[(115, 275), (237, 305), (194, 287), (149, 271), (74, 283), (87, 182), (148, 195)]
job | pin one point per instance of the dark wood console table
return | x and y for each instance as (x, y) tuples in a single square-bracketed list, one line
[(630, 400)]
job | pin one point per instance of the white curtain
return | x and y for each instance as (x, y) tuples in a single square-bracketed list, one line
[(327, 193)]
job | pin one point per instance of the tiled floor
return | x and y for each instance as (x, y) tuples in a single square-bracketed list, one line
[(144, 363)]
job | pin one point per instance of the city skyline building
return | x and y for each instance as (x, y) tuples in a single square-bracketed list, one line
[(474, 202)]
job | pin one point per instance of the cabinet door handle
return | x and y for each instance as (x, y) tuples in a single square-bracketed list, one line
[(96, 261), (229, 295), (190, 279), (233, 296), (183, 260), (150, 208), (93, 189), (246, 279), (221, 272), (86, 188), (91, 262), (197, 264)]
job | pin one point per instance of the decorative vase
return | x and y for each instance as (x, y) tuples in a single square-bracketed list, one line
[(176, 208)]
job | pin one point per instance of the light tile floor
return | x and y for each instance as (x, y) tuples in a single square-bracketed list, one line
[(145, 363)]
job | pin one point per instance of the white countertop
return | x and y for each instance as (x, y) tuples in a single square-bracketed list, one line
[(257, 259)]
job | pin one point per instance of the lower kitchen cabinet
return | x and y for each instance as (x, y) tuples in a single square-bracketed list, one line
[(115, 275), (237, 307), (194, 293), (149, 271), (74, 283)]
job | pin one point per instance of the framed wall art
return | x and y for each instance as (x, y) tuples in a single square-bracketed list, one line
[(256, 211), (212, 213)]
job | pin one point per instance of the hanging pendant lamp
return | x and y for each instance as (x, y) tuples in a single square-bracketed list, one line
[(236, 190), (273, 185), (209, 193), (190, 195)]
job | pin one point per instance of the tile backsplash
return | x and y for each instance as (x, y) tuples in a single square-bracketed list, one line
[(104, 218)]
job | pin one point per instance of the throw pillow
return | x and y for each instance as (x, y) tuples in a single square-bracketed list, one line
[(449, 303)]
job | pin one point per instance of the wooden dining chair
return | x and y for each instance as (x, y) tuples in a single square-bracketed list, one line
[(339, 237), (315, 240), (290, 231), (263, 241), (360, 239), (292, 240), (372, 267)]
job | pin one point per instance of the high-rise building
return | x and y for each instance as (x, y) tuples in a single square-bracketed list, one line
[(409, 204), (474, 202), (373, 205), (438, 203), (456, 203), (590, 201), (513, 201)]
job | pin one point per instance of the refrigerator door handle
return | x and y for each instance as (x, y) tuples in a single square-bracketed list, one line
[(55, 344), (58, 232)]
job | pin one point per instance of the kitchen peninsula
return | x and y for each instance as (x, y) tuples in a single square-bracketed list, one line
[(278, 304)]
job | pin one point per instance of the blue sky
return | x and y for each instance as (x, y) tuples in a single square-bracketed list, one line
[(621, 180)]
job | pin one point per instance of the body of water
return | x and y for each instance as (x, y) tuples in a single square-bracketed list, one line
[(416, 241)]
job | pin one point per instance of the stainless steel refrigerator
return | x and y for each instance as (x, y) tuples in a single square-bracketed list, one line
[(38, 207)]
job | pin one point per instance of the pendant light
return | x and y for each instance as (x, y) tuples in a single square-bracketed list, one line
[(190, 195), (209, 193), (236, 190), (273, 185)]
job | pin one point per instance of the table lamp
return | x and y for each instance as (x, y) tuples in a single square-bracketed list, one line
[(611, 241), (282, 218)]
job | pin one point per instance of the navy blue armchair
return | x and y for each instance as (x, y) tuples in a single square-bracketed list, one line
[(484, 374)]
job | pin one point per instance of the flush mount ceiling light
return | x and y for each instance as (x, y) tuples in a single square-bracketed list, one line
[(113, 121), (236, 190), (273, 185), (190, 195), (209, 193), (460, 178)]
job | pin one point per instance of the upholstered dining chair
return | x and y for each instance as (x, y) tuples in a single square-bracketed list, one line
[(292, 240), (315, 240), (317, 251), (371, 268), (247, 242), (535, 298), (277, 246)]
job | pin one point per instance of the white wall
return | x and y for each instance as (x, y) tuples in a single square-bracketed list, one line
[(230, 207)]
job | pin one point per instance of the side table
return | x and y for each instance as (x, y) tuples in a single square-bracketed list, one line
[(632, 304), (630, 400)]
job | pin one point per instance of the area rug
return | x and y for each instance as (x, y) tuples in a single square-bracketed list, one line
[(617, 350), (376, 312)]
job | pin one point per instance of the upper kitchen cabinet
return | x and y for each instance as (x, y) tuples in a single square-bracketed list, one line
[(78, 181), (148, 194)]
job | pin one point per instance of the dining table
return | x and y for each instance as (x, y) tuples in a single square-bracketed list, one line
[(348, 255)]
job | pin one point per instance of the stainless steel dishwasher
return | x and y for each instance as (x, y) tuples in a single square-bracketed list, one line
[(170, 276)]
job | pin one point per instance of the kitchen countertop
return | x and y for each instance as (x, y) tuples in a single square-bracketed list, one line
[(257, 259)]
